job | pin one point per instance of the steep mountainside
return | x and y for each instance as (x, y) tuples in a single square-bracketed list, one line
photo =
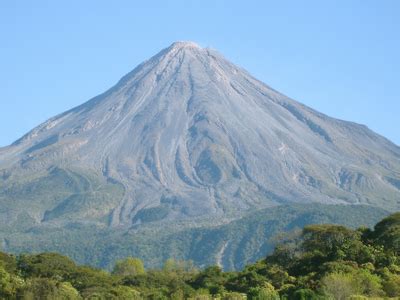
[(185, 140), (186, 134)]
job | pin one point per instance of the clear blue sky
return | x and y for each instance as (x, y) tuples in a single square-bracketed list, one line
[(339, 57)]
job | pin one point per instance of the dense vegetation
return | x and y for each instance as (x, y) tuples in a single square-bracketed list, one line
[(318, 262), (244, 241)]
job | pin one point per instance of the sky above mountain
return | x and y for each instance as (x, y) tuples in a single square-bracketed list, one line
[(340, 58)]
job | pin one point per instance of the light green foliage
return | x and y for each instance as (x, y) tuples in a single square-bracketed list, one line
[(234, 296), (370, 284), (263, 292), (172, 265), (391, 285), (124, 293), (67, 291), (201, 297), (178, 295), (47, 289), (340, 286), (129, 266), (9, 283), (361, 282)]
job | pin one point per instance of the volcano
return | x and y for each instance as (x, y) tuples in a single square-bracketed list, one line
[(189, 135)]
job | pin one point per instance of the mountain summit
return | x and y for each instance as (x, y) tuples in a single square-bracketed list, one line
[(188, 134)]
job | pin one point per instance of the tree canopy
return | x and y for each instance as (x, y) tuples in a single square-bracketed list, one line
[(320, 262)]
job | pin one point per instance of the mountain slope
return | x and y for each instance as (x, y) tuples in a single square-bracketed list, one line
[(231, 245), (189, 134)]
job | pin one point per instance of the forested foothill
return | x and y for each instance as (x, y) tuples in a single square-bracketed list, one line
[(317, 262)]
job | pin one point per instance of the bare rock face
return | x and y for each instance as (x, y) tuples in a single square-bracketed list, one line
[(189, 134)]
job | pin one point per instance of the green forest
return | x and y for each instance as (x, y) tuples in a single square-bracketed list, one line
[(317, 262)]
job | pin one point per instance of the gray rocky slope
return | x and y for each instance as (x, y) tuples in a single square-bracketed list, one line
[(189, 134)]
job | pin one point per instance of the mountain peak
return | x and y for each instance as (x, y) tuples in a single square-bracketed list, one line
[(184, 44), (188, 134)]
